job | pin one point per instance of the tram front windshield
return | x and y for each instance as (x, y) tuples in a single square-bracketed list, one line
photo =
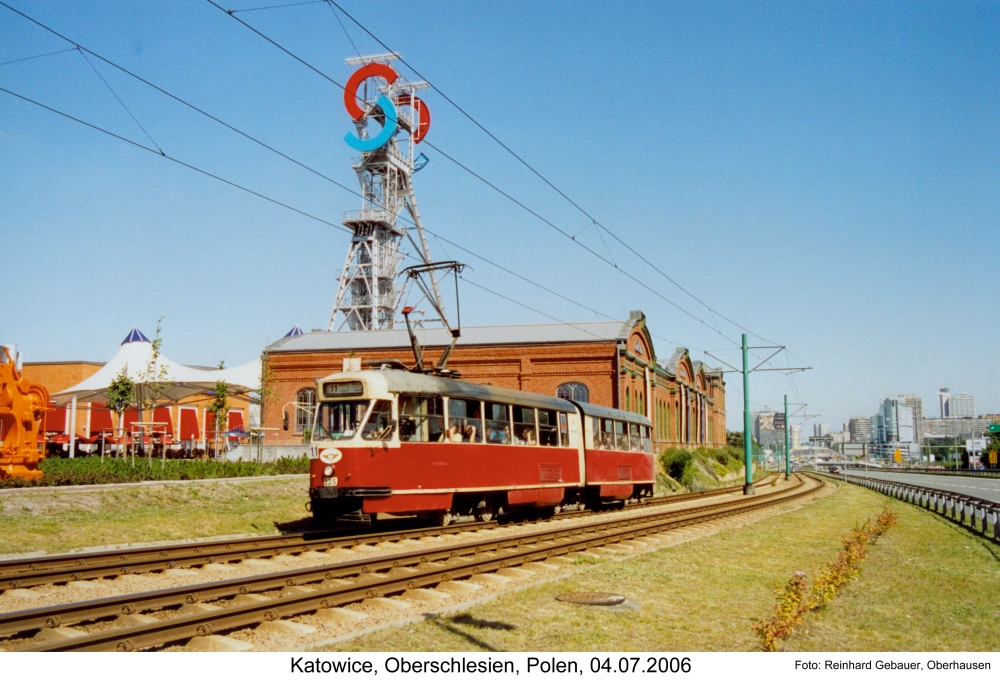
[(340, 419)]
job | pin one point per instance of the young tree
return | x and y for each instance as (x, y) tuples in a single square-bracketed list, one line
[(154, 379), (121, 395), (219, 408), (265, 398)]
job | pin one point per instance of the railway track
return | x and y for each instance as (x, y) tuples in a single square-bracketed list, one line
[(314, 588), (64, 568)]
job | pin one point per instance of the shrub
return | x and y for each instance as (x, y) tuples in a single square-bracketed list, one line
[(794, 602), (679, 464), (788, 612), (91, 470)]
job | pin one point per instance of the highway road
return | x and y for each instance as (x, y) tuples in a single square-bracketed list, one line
[(987, 489)]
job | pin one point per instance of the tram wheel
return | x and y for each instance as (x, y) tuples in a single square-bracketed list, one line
[(484, 511), (443, 517)]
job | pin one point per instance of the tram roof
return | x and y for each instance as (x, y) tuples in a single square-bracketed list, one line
[(419, 383), (527, 334), (604, 412)]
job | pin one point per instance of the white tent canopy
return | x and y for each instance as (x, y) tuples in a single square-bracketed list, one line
[(178, 381)]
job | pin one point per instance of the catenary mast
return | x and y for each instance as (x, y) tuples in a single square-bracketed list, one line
[(368, 294)]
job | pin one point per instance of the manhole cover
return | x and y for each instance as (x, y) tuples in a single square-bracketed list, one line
[(595, 599)]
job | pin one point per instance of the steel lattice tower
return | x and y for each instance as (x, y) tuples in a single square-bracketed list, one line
[(368, 295)]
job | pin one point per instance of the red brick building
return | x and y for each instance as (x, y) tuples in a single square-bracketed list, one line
[(609, 363)]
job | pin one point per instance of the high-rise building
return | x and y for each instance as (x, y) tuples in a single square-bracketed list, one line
[(916, 404), (962, 406), (861, 429), (894, 429), (769, 429), (943, 395), (821, 430)]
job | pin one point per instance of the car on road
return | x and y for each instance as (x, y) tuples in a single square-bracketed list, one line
[(834, 470)]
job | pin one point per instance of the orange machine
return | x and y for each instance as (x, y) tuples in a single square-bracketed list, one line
[(21, 407)]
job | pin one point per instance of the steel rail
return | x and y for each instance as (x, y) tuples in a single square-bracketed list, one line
[(64, 568), (405, 571), (960, 508), (78, 612)]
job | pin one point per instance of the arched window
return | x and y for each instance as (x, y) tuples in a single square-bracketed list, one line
[(574, 391), (305, 401), (628, 399)]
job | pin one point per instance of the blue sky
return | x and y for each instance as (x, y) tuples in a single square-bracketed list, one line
[(824, 174)]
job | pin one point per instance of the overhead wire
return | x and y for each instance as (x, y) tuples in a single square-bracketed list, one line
[(236, 185), (175, 160), (269, 199), (594, 221), (544, 179), (37, 56), (290, 4), (482, 179), (337, 17), (315, 172), (115, 95)]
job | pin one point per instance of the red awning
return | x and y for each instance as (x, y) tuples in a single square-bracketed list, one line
[(59, 439), (163, 415), (101, 421), (189, 424), (55, 421), (236, 422), (129, 417), (209, 423)]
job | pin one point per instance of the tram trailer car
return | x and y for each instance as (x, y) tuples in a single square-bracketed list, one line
[(407, 443)]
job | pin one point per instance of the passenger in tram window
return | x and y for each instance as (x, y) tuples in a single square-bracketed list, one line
[(524, 426), (469, 433), (548, 432), (453, 434), (465, 414), (621, 436), (635, 444), (497, 423), (595, 427), (607, 434)]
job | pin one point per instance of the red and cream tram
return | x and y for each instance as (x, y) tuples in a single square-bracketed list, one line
[(408, 443)]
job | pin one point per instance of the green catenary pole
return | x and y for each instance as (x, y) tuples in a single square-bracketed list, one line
[(747, 434), (788, 448)]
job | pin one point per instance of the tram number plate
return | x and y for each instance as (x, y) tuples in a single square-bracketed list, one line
[(330, 481)]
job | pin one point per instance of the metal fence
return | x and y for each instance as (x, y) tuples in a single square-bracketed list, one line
[(982, 516)]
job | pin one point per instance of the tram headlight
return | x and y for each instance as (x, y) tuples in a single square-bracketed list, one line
[(328, 471)]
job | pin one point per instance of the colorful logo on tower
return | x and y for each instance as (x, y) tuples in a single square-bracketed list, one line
[(389, 108)]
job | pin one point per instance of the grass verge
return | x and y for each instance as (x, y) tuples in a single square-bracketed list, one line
[(57, 522), (926, 586)]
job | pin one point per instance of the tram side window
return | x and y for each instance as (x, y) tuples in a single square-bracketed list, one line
[(621, 436), (595, 432), (524, 426), (607, 434), (379, 422), (465, 420), (548, 428), (635, 443), (647, 444), (421, 419), (563, 429), (498, 423)]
